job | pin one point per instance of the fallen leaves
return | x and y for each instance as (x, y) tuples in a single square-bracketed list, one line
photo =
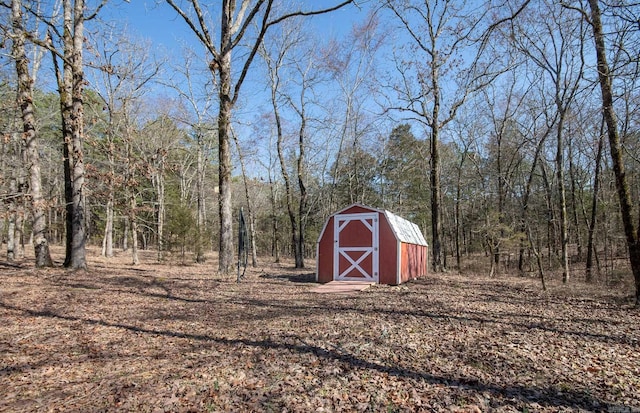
[(159, 338)]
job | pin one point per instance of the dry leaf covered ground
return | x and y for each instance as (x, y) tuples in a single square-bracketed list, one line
[(182, 338)]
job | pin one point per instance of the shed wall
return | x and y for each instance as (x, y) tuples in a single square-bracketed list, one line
[(325, 253), (398, 261), (414, 261), (388, 266)]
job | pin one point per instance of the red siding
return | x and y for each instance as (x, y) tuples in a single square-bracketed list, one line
[(357, 209), (325, 253), (388, 254), (414, 262), (354, 234), (413, 258)]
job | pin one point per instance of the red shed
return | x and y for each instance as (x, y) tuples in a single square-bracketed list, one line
[(369, 244)]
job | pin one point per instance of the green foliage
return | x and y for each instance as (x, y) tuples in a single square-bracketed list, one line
[(357, 177), (180, 228)]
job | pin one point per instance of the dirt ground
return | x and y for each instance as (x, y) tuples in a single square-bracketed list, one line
[(154, 338)]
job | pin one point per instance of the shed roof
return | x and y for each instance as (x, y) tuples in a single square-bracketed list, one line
[(405, 230)]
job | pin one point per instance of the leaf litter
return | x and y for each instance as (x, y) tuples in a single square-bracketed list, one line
[(169, 338)]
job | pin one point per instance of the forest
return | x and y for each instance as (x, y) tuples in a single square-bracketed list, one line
[(507, 130)]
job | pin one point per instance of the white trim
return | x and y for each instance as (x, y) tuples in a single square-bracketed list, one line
[(340, 221), (398, 261), (318, 256)]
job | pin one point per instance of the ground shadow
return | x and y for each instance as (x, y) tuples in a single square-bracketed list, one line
[(547, 396), (296, 278)]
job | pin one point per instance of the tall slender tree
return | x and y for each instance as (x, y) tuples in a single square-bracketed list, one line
[(71, 81), (441, 39), (554, 43), (30, 136), (237, 23), (605, 78)]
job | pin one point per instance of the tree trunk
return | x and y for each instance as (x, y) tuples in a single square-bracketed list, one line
[(13, 212), (289, 199), (70, 86), (615, 147), (574, 203), (525, 202), (32, 156), (107, 240), (594, 211), (160, 190), (302, 201), (200, 215), (435, 196), (537, 255), (564, 238), (457, 211), (551, 229), (252, 233), (226, 251), (131, 185), (78, 225), (18, 229), (125, 234), (275, 237), (134, 228)]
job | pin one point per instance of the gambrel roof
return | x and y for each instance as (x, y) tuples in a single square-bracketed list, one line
[(404, 230)]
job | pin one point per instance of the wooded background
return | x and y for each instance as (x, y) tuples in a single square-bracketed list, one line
[(508, 131)]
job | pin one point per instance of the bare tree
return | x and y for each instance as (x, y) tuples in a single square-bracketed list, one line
[(32, 156), (195, 113), (161, 137), (554, 43), (250, 210), (236, 25), (443, 35), (124, 70), (591, 252), (504, 102), (352, 64), (605, 78), (275, 62), (70, 37)]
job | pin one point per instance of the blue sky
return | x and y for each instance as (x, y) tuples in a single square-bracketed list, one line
[(160, 24)]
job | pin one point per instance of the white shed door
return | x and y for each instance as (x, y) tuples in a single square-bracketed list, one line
[(355, 253)]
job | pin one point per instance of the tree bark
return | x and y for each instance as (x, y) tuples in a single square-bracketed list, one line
[(32, 156), (160, 191), (302, 201), (564, 238), (275, 232), (131, 185), (224, 169), (70, 87), (594, 211), (13, 213), (435, 176), (622, 187), (289, 199), (574, 202), (201, 211), (107, 240)]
